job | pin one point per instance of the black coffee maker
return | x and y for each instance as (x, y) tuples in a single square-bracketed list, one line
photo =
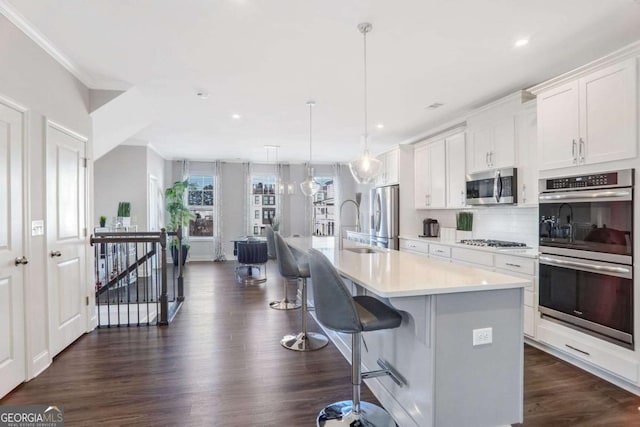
[(430, 228)]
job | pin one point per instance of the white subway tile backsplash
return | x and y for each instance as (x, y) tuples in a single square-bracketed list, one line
[(496, 222)]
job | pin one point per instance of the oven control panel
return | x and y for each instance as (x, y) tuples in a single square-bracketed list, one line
[(607, 179)]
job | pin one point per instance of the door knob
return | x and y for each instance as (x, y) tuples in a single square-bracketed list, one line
[(54, 254), (22, 260)]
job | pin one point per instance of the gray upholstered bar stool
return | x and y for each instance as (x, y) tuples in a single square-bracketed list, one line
[(284, 303), (291, 269), (336, 309)]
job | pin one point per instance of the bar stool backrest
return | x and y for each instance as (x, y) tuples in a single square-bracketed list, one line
[(252, 252), (286, 261), (333, 302), (271, 242)]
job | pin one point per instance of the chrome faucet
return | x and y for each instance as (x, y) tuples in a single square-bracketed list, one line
[(357, 205)]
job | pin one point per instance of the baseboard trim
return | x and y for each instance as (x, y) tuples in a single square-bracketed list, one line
[(39, 364)]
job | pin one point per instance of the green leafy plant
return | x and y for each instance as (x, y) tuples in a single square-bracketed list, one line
[(103, 220), (464, 221), (179, 213), (124, 209)]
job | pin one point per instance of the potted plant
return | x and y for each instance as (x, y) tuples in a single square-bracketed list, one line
[(179, 215), (103, 221), (124, 213), (464, 225)]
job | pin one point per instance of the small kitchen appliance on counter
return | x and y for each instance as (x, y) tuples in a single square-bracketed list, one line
[(430, 228)]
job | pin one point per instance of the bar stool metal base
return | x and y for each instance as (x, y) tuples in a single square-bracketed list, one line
[(248, 278), (341, 414), (284, 305), (304, 342)]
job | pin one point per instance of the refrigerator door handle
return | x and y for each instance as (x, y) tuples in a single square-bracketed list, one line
[(378, 212)]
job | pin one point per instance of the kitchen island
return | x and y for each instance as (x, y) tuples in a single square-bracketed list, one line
[(445, 307)]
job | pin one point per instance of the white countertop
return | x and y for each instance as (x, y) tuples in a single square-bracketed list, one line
[(522, 252), (390, 273)]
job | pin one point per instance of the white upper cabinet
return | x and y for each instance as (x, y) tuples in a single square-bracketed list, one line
[(491, 136), (456, 179), (390, 168), (429, 176), (527, 155), (439, 171), (589, 120)]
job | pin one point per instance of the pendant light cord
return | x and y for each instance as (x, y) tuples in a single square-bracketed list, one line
[(310, 131), (366, 136)]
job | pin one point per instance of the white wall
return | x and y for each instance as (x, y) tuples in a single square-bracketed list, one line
[(33, 79)]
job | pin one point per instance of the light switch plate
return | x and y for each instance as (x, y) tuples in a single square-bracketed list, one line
[(482, 336), (37, 227)]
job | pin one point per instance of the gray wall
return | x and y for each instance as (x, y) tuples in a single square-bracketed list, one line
[(233, 205), (121, 176), (36, 81)]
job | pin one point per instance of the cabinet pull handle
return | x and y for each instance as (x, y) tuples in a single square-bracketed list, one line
[(486, 158), (524, 193), (513, 265), (574, 147), (491, 158), (581, 150), (461, 197), (577, 349), (54, 254)]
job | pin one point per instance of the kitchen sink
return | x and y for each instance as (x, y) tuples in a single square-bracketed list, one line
[(362, 250)]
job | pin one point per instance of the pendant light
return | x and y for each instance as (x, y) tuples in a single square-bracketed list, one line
[(282, 187), (309, 187), (365, 168)]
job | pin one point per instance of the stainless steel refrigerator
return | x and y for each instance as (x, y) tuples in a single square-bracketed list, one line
[(385, 216)]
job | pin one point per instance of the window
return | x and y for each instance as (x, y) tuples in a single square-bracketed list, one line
[(201, 203), (264, 202), (323, 207)]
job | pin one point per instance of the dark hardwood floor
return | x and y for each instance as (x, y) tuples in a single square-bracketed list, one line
[(220, 364)]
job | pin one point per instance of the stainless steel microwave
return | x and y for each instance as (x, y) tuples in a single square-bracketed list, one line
[(493, 187)]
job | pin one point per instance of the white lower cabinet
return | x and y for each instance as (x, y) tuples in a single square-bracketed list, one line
[(414, 246), (616, 360), (440, 252)]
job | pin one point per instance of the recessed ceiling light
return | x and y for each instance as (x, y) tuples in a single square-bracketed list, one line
[(380, 125), (271, 147), (202, 94), (435, 105), (521, 42), (236, 116)]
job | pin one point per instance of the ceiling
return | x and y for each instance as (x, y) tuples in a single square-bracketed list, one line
[(265, 59)]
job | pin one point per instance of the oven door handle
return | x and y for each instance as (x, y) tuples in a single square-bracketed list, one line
[(623, 194), (586, 266)]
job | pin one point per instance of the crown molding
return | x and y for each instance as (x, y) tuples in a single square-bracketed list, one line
[(17, 19), (630, 51)]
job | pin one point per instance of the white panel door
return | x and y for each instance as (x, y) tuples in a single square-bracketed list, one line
[(66, 240), (558, 127), (420, 174), (608, 116), (502, 154), (437, 175), (479, 147), (12, 330), (456, 182)]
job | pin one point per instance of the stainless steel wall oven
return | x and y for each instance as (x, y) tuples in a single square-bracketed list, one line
[(586, 253)]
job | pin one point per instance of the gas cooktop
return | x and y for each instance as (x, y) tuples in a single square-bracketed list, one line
[(493, 243)]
